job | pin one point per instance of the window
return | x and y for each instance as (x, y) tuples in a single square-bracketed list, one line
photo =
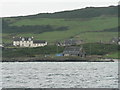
[(29, 39), (23, 39)]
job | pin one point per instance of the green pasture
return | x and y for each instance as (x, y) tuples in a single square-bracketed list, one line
[(97, 36), (114, 55), (77, 28)]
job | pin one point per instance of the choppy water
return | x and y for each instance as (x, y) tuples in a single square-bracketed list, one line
[(60, 75)]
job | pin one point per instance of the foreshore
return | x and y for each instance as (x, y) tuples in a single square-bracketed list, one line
[(55, 60)]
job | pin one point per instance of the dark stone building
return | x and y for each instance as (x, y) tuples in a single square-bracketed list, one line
[(70, 42), (74, 51)]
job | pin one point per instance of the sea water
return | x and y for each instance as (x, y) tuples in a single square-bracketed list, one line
[(59, 75)]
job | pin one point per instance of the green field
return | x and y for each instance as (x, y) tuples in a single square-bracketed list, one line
[(77, 28), (113, 55), (92, 24)]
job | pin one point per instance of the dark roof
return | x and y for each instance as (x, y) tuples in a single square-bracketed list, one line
[(72, 50), (27, 39), (71, 41), (16, 39), (39, 41)]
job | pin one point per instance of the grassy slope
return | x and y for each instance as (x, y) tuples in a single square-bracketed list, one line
[(78, 28), (113, 55)]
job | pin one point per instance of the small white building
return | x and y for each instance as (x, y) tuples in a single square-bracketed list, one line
[(119, 42), (28, 42), (115, 40), (1, 46)]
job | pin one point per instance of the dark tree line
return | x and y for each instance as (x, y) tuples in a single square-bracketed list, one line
[(112, 30), (116, 29)]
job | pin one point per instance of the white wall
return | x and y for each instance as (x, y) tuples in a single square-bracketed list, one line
[(28, 44)]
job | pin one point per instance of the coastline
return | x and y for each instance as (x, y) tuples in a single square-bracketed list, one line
[(57, 60)]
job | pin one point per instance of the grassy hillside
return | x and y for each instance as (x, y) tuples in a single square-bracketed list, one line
[(89, 24), (114, 55)]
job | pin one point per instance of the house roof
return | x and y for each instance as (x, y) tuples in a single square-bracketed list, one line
[(16, 39), (27, 39), (72, 50), (20, 38), (70, 41), (115, 39), (39, 41)]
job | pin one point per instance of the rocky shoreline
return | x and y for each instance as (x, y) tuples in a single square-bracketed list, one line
[(55, 60)]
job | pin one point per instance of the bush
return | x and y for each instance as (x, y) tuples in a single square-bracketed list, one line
[(30, 52)]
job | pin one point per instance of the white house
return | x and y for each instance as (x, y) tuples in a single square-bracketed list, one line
[(28, 42)]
